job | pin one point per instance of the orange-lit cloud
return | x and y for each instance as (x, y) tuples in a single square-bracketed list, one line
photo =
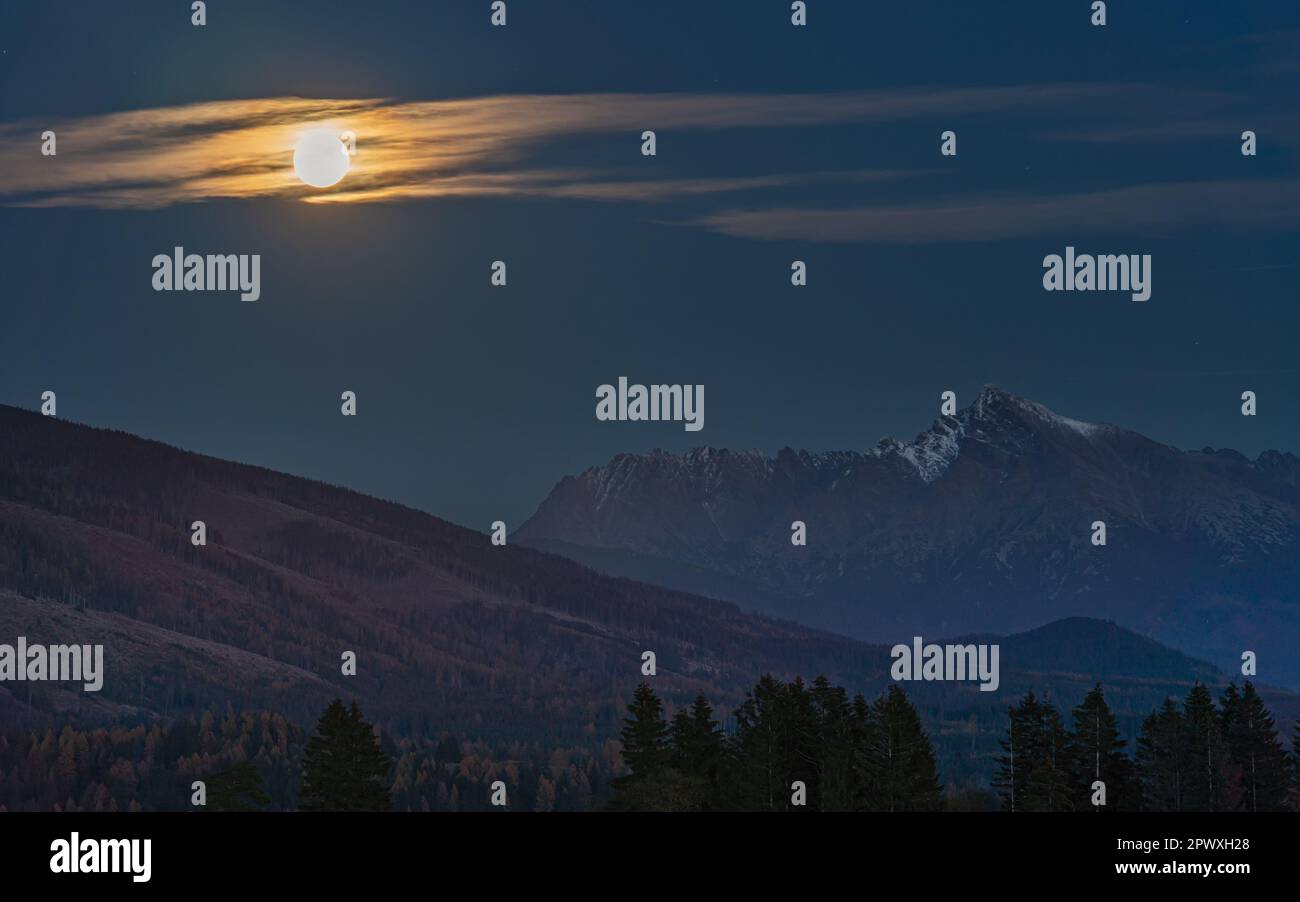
[(474, 146)]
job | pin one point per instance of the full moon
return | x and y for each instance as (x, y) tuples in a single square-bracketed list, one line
[(321, 159)]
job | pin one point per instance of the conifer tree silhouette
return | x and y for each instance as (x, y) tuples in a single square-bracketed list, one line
[(901, 767), (774, 746), (1096, 752), (848, 755), (1259, 763), (1033, 772), (836, 740), (1208, 784), (645, 736), (653, 784), (344, 767), (1162, 759), (698, 752), (237, 788)]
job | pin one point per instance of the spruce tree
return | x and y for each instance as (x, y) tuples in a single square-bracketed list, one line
[(344, 767), (698, 752), (1048, 785), (1208, 784), (835, 737), (801, 748), (775, 746), (1162, 759), (755, 747), (1033, 773), (1096, 752), (1259, 762), (901, 767), (646, 751), (645, 737)]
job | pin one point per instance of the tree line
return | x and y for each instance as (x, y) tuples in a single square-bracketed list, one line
[(1190, 757), (789, 746), (794, 747), (798, 747)]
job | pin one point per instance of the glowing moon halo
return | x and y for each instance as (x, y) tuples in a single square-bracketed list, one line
[(321, 158)]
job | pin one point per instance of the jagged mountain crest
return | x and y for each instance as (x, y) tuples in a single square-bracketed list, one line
[(996, 417), (982, 522)]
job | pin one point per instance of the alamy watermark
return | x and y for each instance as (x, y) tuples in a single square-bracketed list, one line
[(1105, 272), (683, 403), (103, 856), (180, 271), (39, 663), (947, 662)]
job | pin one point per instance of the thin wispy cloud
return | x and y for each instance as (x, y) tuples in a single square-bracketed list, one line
[(474, 146), (1226, 129), (1141, 209)]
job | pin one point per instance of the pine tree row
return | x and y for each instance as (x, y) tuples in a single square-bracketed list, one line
[(794, 747), (1193, 757)]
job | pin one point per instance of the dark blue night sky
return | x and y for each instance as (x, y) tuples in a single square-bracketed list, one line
[(924, 271)]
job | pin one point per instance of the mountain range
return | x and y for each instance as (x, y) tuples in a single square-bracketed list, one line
[(982, 523), (451, 633)]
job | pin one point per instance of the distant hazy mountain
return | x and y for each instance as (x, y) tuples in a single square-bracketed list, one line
[(450, 632), (981, 524)]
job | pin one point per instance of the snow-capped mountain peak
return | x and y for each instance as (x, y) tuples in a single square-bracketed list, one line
[(996, 416)]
